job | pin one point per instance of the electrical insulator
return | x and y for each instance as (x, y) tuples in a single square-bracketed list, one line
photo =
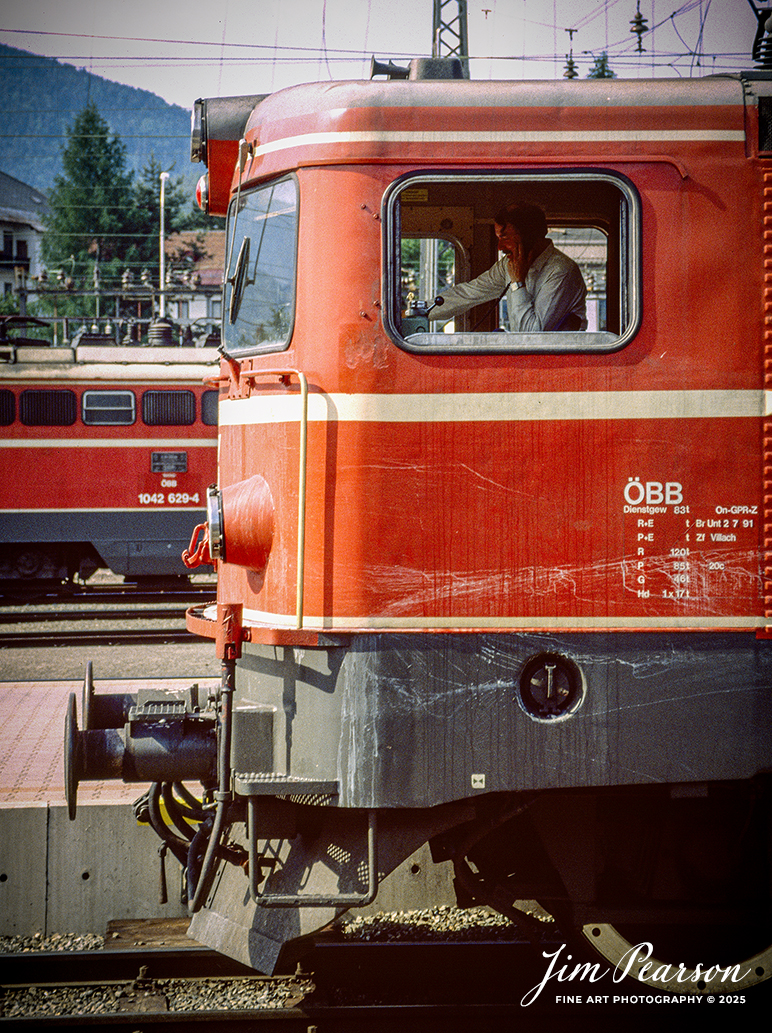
[(639, 27)]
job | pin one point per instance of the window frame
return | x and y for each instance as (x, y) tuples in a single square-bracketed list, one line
[(232, 253), (84, 410), (461, 258), (546, 342)]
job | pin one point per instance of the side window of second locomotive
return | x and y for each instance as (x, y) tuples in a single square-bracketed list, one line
[(109, 408), (450, 288), (209, 404)]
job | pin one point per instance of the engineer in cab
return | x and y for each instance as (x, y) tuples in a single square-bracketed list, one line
[(545, 289)]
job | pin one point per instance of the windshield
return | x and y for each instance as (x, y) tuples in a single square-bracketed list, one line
[(260, 280)]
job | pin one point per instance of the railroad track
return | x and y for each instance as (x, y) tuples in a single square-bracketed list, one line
[(107, 594), (94, 637), (118, 988), (340, 984), (100, 619), (357, 986), (59, 615)]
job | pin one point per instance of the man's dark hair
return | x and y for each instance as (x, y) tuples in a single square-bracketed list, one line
[(528, 219)]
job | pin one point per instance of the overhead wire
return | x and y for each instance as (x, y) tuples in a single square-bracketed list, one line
[(222, 44), (293, 53), (596, 12), (685, 8), (275, 54), (698, 44)]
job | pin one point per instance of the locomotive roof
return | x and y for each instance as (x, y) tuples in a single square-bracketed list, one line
[(119, 363), (460, 120), (336, 97)]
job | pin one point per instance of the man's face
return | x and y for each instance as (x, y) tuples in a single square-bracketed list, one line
[(508, 238)]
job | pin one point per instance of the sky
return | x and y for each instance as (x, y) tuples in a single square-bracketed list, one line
[(185, 49)]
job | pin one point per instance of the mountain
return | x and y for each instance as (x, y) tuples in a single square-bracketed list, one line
[(41, 96)]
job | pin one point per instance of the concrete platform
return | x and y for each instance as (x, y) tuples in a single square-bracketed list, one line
[(62, 876)]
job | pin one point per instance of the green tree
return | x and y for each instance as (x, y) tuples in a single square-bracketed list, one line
[(180, 215), (9, 304), (104, 222), (601, 69), (91, 218), (180, 211)]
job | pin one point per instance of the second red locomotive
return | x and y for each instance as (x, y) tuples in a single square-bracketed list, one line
[(107, 452)]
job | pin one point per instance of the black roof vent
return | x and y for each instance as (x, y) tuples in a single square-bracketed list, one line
[(387, 68), (437, 68)]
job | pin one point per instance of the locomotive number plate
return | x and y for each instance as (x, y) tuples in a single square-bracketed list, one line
[(169, 462)]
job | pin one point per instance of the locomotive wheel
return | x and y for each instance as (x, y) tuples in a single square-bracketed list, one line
[(673, 976), (499, 861), (32, 563)]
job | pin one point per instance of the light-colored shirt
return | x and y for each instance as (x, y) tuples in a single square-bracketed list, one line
[(554, 288)]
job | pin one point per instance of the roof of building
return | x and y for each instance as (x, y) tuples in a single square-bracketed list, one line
[(21, 203), (202, 251)]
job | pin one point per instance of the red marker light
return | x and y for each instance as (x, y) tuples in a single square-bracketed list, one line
[(202, 193)]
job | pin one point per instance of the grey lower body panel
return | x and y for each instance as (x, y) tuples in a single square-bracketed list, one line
[(329, 862), (416, 721)]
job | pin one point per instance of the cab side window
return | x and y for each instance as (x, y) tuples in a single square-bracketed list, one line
[(442, 233)]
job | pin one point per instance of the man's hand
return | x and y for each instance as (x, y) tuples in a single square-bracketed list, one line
[(518, 262)]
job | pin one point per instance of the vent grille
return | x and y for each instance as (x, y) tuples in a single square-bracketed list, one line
[(169, 408), (765, 123), (48, 408), (7, 407)]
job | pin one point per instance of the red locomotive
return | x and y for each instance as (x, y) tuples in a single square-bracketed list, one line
[(502, 592), (108, 452)]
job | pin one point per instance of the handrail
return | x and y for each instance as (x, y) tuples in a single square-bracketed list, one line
[(252, 374)]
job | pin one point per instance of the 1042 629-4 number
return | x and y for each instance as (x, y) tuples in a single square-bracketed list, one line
[(174, 498)]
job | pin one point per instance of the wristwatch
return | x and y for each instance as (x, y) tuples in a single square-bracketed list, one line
[(516, 286)]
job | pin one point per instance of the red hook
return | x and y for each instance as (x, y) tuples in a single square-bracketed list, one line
[(195, 556)]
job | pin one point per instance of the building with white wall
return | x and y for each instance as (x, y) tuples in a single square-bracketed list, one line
[(22, 209)]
